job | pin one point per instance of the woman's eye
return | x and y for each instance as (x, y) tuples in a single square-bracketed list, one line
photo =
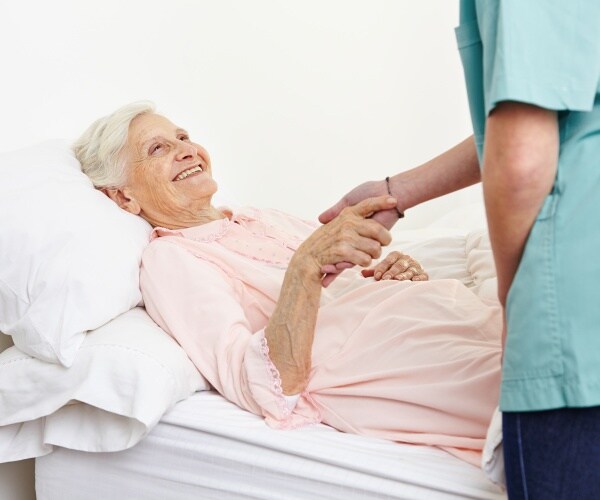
[(155, 148), (184, 138)]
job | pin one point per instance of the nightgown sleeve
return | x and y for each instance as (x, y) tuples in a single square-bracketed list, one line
[(199, 305)]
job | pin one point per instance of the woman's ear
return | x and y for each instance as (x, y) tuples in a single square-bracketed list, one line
[(123, 198)]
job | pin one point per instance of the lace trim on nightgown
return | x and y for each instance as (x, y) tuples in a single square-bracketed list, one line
[(275, 378), (284, 401), (259, 218), (217, 235), (227, 224)]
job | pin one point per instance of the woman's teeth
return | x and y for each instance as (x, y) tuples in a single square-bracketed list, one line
[(187, 172)]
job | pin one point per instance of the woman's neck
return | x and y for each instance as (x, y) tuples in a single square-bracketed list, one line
[(183, 219), (211, 214)]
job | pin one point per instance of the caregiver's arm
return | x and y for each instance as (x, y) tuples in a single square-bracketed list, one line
[(351, 237), (519, 166), (454, 169)]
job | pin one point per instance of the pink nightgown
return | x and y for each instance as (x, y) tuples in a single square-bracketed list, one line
[(415, 362)]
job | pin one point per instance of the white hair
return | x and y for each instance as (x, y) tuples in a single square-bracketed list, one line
[(99, 149)]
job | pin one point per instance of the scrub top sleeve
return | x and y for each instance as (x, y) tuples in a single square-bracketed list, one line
[(541, 52)]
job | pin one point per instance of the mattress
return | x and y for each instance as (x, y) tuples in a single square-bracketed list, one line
[(207, 448)]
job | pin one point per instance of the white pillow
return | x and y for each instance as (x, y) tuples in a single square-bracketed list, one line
[(126, 375), (70, 257)]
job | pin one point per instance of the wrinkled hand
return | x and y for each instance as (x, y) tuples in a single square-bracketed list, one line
[(386, 217), (352, 237), (397, 266), (366, 190)]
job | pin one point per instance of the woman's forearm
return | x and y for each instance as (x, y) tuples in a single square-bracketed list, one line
[(290, 331), (454, 169), (352, 237)]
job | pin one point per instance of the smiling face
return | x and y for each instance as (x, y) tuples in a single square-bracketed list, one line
[(169, 178)]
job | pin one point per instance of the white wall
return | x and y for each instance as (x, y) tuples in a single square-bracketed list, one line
[(297, 101)]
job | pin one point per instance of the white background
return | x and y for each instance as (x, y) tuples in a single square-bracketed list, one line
[(297, 101)]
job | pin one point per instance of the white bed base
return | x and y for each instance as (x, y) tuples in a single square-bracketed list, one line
[(207, 448)]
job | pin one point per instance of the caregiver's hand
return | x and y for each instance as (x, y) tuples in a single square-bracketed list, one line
[(397, 266), (387, 217), (352, 237)]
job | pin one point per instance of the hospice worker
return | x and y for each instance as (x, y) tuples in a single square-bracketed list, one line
[(532, 70), (403, 359)]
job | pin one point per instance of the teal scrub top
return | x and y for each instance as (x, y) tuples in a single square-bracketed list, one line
[(547, 53)]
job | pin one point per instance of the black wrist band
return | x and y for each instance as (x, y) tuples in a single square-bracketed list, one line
[(387, 183)]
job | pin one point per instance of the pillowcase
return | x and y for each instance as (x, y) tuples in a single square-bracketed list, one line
[(126, 375), (70, 257)]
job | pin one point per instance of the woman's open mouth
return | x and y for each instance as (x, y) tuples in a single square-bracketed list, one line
[(187, 172)]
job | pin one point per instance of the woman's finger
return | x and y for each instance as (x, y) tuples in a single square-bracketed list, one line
[(345, 253), (329, 269), (383, 266), (386, 265), (335, 268), (373, 230), (409, 272), (367, 246), (397, 266), (403, 276), (400, 265)]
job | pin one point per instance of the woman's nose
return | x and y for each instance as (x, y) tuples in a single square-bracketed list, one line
[(186, 150)]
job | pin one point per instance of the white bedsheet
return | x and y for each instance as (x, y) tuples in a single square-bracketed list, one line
[(207, 448)]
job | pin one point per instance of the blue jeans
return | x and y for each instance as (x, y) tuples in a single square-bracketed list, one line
[(552, 455)]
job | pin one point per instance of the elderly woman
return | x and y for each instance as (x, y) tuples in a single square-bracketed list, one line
[(404, 359)]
